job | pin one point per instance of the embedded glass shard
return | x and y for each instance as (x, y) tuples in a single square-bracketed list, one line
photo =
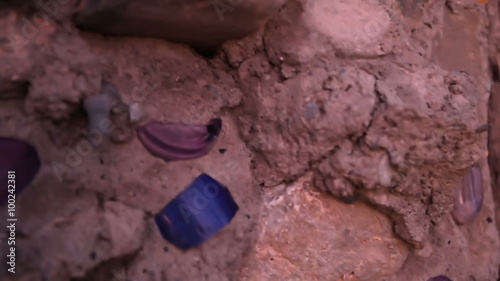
[(469, 196), (19, 164), (197, 213), (179, 141)]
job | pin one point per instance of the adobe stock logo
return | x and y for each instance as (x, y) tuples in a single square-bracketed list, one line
[(30, 27), (197, 213)]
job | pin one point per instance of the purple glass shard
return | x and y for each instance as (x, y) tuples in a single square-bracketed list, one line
[(179, 141), (21, 158), (469, 196), (197, 213)]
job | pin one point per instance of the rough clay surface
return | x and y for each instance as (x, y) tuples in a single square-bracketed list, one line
[(346, 125), (307, 236)]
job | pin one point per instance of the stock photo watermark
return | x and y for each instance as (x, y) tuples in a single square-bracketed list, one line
[(223, 6), (121, 275), (11, 221), (30, 27), (201, 198), (94, 138), (200, 201)]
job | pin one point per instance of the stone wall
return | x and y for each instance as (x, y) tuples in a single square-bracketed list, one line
[(346, 127)]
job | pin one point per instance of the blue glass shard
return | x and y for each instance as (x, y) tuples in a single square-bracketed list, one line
[(22, 159), (197, 213)]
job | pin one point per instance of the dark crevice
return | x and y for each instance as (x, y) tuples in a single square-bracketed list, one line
[(112, 269), (495, 74), (14, 89), (207, 53)]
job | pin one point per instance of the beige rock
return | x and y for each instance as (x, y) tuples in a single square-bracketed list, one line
[(307, 235), (78, 243), (353, 27), (305, 31)]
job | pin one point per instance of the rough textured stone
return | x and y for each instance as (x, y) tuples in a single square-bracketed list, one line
[(391, 124), (359, 26), (465, 24), (398, 132), (307, 235), (80, 242)]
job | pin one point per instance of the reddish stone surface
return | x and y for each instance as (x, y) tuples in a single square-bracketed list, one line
[(366, 97)]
